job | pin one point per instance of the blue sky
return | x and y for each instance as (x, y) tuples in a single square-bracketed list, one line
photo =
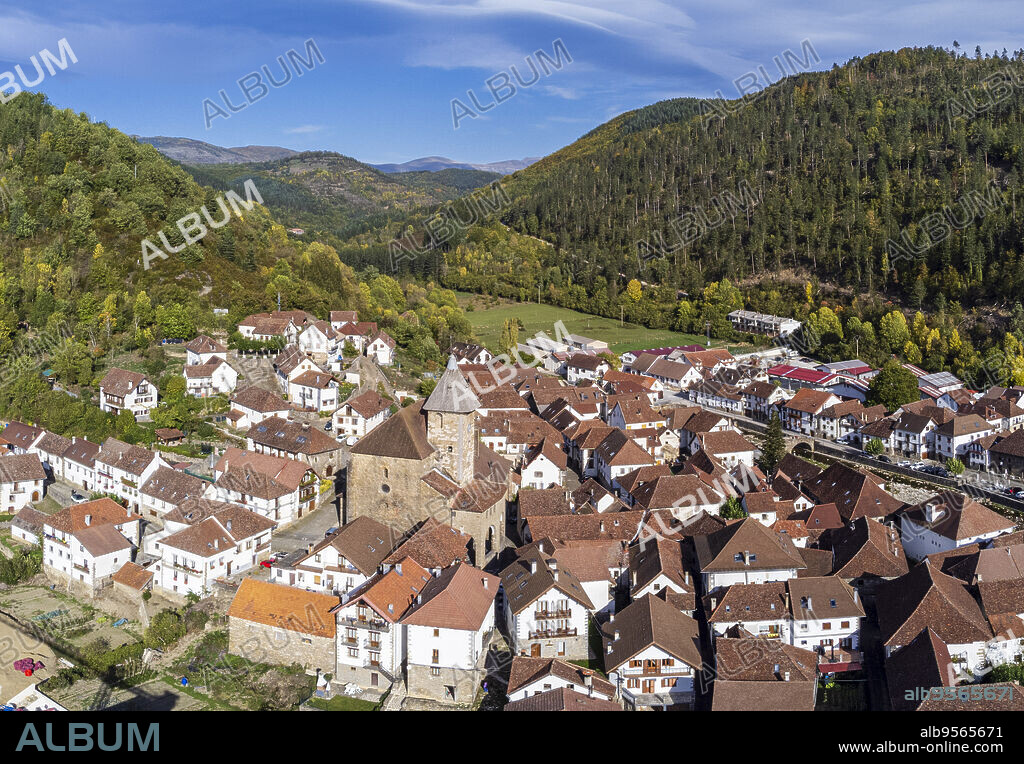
[(392, 67)]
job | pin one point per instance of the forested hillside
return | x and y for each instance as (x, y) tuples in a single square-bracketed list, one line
[(329, 194), (793, 197), (841, 161), (76, 200)]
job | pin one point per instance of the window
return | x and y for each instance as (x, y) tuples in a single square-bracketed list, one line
[(826, 626), (435, 671), (435, 657), (353, 652), (437, 632), (844, 625)]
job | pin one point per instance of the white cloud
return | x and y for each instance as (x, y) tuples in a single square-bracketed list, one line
[(569, 94), (474, 51), (303, 129)]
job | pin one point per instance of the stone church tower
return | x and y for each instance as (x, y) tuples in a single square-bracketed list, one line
[(451, 423)]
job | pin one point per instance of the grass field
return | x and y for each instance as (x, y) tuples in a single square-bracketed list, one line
[(487, 322), (342, 703)]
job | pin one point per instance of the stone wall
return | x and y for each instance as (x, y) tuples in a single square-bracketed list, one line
[(576, 648), (477, 524), (421, 683), (454, 437), (361, 676), (397, 497), (267, 644)]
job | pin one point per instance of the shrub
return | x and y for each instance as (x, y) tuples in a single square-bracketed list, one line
[(166, 628)]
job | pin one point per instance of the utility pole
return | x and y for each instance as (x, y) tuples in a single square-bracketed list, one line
[(620, 315), (279, 301)]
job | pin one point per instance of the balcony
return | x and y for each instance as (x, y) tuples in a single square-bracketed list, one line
[(552, 633), (81, 567), (652, 671), (57, 539), (541, 615), (187, 569), (364, 623)]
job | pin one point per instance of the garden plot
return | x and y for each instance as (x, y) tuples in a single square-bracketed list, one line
[(63, 616)]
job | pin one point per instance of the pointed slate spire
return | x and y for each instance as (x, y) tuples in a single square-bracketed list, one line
[(453, 394)]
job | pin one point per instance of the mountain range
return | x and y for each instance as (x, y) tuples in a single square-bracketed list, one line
[(191, 151), (433, 164)]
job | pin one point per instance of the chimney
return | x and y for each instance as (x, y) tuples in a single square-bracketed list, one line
[(533, 566), (856, 596), (785, 676), (419, 599), (602, 526), (611, 617), (714, 602), (398, 568), (616, 635), (809, 605), (88, 519), (746, 557), (785, 599), (588, 682), (686, 577), (216, 543), (609, 648), (485, 583)]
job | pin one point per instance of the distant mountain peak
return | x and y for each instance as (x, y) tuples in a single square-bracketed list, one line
[(191, 151), (434, 163)]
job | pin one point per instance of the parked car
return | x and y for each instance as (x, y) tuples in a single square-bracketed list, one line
[(76, 496), (331, 531), (327, 427), (884, 458), (905, 463), (266, 564)]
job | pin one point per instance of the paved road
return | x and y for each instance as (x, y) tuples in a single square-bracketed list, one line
[(982, 484), (308, 530)]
